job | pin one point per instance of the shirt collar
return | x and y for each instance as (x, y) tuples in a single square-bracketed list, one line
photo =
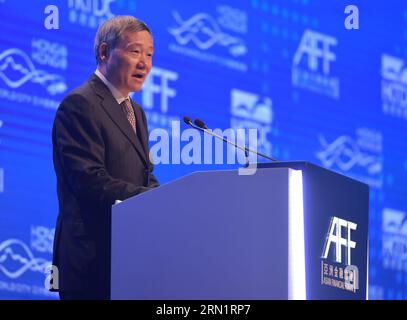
[(116, 93)]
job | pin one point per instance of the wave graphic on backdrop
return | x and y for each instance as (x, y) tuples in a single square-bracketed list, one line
[(204, 32), (16, 258), (346, 154), (16, 68)]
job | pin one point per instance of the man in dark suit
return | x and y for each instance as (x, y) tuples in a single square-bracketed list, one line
[(101, 154)]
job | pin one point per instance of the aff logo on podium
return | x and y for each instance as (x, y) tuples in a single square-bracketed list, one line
[(341, 273), (335, 236)]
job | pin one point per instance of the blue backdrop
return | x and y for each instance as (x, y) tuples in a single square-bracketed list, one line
[(315, 90)]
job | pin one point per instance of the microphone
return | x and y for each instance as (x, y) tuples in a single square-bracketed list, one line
[(188, 121), (200, 125), (204, 127)]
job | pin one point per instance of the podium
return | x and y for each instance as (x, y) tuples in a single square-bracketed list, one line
[(291, 230)]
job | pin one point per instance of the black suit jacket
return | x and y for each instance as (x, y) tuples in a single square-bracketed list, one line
[(98, 159)]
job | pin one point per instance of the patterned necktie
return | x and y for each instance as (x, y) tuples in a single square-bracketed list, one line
[(129, 112)]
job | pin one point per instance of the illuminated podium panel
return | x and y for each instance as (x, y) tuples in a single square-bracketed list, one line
[(292, 230)]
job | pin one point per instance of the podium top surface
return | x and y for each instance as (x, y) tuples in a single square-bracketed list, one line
[(303, 165)]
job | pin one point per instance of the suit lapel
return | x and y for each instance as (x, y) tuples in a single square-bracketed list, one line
[(113, 109)]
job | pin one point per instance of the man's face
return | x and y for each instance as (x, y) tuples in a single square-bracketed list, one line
[(130, 62)]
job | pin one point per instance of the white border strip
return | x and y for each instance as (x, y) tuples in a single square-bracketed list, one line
[(296, 241)]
